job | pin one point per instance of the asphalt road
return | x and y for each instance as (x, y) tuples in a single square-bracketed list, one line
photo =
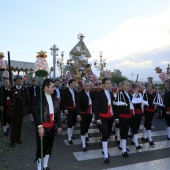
[(71, 157)]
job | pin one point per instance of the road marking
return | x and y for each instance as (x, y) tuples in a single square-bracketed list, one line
[(112, 138), (93, 154), (163, 164)]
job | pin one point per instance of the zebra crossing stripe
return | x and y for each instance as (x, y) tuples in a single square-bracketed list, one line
[(163, 164), (94, 154), (112, 138)]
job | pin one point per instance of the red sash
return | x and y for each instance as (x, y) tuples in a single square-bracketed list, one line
[(149, 109), (88, 110), (8, 101), (49, 124), (128, 116), (108, 114), (138, 111)]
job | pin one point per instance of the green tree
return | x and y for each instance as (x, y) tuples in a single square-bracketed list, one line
[(117, 79)]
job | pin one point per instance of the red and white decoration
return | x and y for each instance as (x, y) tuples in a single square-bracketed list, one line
[(41, 64)]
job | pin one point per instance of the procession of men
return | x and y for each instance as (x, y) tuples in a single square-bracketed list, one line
[(121, 111)]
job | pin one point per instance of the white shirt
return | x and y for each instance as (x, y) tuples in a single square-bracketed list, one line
[(73, 97), (127, 96), (50, 103), (108, 97), (90, 101), (34, 91), (18, 87)]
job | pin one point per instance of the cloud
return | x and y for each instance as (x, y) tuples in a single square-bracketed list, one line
[(135, 36)]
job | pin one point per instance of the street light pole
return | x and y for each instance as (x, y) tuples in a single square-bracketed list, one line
[(54, 52)]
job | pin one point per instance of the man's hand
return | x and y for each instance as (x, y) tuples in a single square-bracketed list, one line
[(79, 118), (66, 112), (59, 130), (41, 131), (99, 122)]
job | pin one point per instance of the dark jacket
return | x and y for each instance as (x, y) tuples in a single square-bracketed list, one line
[(101, 103), (5, 94), (82, 101), (45, 110), (150, 100), (20, 101), (167, 100), (123, 109), (31, 91), (55, 92), (66, 99)]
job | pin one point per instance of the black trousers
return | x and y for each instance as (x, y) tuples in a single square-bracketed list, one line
[(167, 120), (124, 124), (6, 118), (71, 118), (106, 127), (148, 119), (48, 140), (16, 125), (135, 123), (85, 123)]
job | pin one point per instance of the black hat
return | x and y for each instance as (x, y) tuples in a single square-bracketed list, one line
[(17, 77)]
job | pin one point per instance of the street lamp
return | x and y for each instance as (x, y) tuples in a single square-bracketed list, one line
[(60, 63), (101, 65), (54, 52)]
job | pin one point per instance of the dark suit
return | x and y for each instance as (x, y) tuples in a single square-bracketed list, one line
[(82, 104), (101, 106), (49, 134), (68, 104), (124, 122), (167, 107), (20, 104), (148, 110)]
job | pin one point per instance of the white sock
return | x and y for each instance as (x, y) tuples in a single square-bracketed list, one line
[(136, 140), (120, 145), (39, 164), (72, 131), (86, 135), (4, 128), (104, 144), (168, 129), (123, 145), (129, 132), (118, 134), (149, 135), (69, 133), (144, 132), (46, 158), (31, 117), (83, 141)]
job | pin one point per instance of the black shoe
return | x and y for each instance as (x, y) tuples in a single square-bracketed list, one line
[(5, 133), (125, 154), (168, 138), (139, 147), (151, 143), (73, 137), (70, 142), (144, 139), (126, 149), (86, 144), (130, 136), (32, 121), (118, 141), (87, 139), (7, 130), (84, 149), (106, 160), (19, 141), (12, 144), (107, 153), (47, 168), (132, 143)]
